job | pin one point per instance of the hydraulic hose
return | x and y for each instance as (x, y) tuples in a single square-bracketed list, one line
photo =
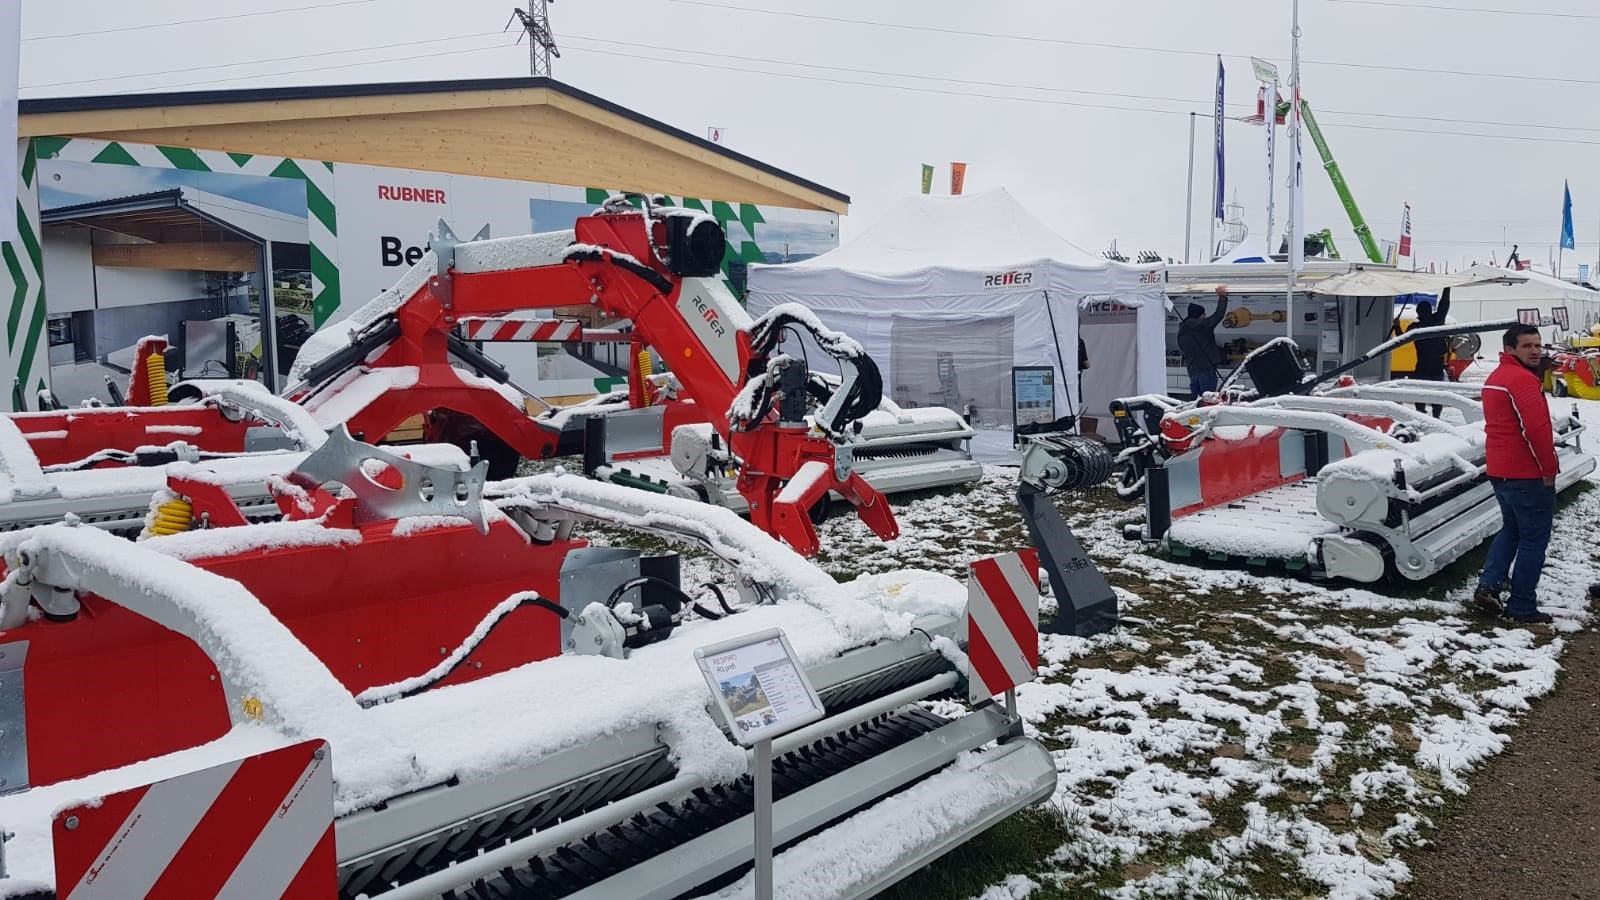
[(411, 687)]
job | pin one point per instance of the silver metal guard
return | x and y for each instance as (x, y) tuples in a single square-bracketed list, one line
[(424, 490)]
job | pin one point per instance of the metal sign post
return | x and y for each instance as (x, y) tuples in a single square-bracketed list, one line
[(763, 692), (763, 813)]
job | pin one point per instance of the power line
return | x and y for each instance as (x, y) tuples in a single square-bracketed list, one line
[(1058, 102), (246, 15), (952, 93), (1470, 9), (1203, 101), (258, 62), (1009, 85), (965, 33), (370, 62)]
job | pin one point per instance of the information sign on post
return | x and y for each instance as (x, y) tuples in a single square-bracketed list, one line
[(763, 692), (1033, 398)]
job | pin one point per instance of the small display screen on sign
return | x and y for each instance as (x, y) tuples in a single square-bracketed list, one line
[(760, 686)]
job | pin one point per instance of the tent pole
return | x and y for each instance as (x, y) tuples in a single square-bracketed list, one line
[(1188, 200)]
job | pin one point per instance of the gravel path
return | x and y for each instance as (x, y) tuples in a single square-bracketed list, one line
[(1531, 825)]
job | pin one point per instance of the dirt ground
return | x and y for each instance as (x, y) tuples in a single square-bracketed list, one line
[(1531, 824)]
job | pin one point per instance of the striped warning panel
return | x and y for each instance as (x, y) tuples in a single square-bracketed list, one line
[(1002, 624), (521, 330), (256, 827)]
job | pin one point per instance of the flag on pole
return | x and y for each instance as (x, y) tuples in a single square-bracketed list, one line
[(927, 178), (958, 177), (1217, 194), (1405, 231), (1567, 243)]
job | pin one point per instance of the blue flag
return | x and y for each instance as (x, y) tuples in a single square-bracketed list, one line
[(1567, 243), (1217, 191)]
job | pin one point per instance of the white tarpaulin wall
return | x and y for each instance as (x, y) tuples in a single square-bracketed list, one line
[(948, 294)]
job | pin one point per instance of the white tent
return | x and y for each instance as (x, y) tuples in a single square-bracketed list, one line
[(951, 294), (1506, 294), (1250, 250)]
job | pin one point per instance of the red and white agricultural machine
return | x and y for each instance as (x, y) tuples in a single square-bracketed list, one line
[(326, 669), (745, 425), (510, 712), (1321, 474)]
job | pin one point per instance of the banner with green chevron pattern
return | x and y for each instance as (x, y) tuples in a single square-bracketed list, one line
[(363, 226)]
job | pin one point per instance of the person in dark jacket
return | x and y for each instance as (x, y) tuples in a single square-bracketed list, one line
[(1520, 457), (1197, 344), (1431, 350)]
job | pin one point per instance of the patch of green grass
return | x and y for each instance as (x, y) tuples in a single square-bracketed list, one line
[(1019, 845)]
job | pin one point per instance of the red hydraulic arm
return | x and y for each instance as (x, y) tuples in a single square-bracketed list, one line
[(616, 263)]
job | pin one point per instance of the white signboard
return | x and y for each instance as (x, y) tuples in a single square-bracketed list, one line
[(761, 688), (1266, 72)]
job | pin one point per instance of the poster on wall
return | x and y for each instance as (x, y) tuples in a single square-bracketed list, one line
[(130, 251)]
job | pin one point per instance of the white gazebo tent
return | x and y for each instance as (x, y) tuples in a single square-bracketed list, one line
[(1508, 294), (958, 299)]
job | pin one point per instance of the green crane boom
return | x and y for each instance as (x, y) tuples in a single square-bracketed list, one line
[(1363, 233)]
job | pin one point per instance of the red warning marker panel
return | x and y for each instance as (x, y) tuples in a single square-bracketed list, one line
[(256, 827), (1002, 623)]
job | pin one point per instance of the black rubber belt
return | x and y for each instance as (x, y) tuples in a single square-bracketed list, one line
[(597, 857)]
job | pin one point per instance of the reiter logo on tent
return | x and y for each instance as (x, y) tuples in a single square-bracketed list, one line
[(1008, 280)]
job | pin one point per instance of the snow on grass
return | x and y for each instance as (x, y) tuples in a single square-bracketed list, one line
[(1246, 733)]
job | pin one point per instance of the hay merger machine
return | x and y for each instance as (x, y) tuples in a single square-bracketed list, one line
[(352, 673), (1321, 474)]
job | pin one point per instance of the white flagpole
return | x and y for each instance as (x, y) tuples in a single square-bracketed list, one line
[(1296, 200)]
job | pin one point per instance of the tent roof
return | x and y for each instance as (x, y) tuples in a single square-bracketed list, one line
[(1393, 283), (1485, 272), (1250, 250), (977, 231)]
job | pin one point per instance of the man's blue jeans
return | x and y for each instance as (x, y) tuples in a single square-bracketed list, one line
[(1527, 510), (1200, 382)]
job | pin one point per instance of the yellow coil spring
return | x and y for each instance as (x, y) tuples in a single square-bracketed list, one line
[(173, 517), (155, 371), (646, 369)]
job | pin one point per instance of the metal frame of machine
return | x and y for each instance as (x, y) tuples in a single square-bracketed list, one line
[(1338, 479)]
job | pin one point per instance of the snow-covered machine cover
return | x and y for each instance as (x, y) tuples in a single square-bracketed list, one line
[(1343, 480), (531, 725)]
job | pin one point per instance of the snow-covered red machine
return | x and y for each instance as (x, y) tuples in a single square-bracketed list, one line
[(656, 268), (1325, 475), (751, 427), (510, 712)]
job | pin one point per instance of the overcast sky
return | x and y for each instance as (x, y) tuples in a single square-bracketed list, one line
[(1078, 108)]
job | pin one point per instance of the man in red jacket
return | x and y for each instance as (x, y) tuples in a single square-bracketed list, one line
[(1520, 452)]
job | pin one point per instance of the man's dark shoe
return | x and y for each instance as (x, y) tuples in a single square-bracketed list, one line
[(1531, 618), (1594, 591), (1487, 602)]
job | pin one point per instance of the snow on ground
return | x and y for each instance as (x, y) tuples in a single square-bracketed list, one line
[(1245, 731)]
